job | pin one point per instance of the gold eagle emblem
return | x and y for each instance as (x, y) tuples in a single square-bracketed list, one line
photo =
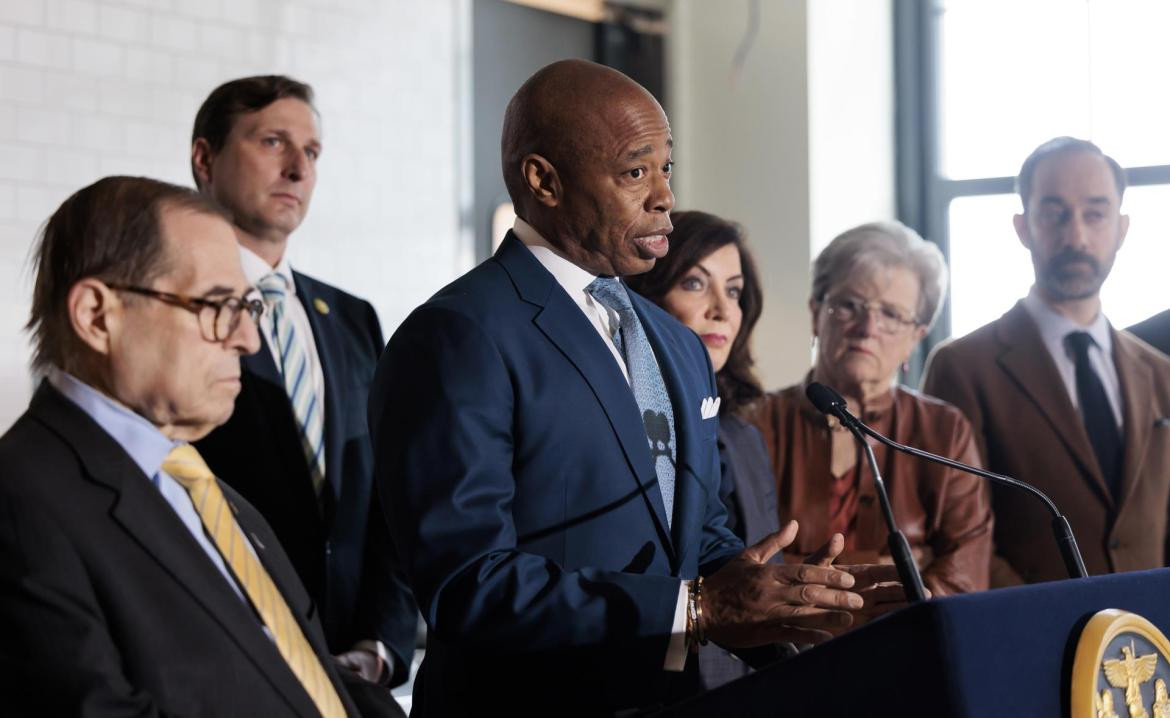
[(1129, 672)]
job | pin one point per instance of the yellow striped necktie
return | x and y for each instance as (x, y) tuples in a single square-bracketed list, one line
[(188, 468)]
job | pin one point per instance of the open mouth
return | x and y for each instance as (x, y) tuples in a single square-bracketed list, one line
[(655, 245)]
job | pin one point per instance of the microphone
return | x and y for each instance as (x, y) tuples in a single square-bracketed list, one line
[(829, 401)]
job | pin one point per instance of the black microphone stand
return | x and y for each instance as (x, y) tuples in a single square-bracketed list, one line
[(899, 546), (827, 400), (1065, 540)]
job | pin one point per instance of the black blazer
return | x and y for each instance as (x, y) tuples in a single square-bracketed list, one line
[(343, 557), (109, 606), (747, 472)]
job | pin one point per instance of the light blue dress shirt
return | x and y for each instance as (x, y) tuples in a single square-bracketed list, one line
[(148, 447)]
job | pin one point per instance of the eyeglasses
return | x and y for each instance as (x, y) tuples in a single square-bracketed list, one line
[(889, 320), (217, 317)]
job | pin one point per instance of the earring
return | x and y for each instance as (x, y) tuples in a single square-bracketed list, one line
[(905, 367)]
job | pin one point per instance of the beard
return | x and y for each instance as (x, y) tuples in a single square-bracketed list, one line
[(1072, 275)]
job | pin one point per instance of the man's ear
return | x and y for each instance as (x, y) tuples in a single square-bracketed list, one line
[(94, 313), (1020, 222), (542, 180), (201, 160)]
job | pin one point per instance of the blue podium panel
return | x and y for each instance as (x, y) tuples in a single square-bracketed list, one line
[(1006, 652)]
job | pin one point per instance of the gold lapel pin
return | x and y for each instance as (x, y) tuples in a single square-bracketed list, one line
[(320, 305)]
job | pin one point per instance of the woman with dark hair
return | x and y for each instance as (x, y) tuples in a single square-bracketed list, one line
[(708, 281)]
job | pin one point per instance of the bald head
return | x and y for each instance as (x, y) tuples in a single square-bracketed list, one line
[(586, 159), (561, 112)]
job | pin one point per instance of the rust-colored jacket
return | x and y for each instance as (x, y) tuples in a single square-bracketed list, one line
[(945, 514), (1004, 379)]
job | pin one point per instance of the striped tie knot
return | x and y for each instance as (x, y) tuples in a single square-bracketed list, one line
[(274, 287), (187, 467)]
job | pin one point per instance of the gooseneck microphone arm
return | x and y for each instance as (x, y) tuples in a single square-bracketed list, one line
[(899, 546), (1066, 542)]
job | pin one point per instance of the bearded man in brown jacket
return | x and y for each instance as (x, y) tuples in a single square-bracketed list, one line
[(1056, 395)]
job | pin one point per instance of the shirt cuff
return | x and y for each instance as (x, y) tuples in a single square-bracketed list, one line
[(379, 649), (676, 650)]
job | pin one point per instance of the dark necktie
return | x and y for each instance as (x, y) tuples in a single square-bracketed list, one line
[(1096, 412)]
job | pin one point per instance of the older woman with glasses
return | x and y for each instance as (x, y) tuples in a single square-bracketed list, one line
[(876, 291)]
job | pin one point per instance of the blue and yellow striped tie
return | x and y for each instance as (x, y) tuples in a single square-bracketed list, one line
[(298, 377), (188, 468)]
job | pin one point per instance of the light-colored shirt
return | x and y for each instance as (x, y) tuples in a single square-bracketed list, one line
[(255, 269), (574, 280), (147, 447), (1055, 327)]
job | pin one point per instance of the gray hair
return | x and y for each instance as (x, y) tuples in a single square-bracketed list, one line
[(883, 245)]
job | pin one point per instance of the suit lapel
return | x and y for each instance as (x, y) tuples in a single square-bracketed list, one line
[(326, 340), (562, 322), (689, 494), (1137, 386), (145, 515), (1027, 361)]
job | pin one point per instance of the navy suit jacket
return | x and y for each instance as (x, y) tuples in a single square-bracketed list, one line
[(108, 605), (514, 465), (340, 548)]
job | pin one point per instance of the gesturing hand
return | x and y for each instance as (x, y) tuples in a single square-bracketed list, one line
[(751, 602), (877, 583)]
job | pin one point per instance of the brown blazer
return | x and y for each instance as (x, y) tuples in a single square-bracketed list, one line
[(945, 514), (1002, 376)]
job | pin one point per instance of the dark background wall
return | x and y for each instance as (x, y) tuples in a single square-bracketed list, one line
[(509, 43)]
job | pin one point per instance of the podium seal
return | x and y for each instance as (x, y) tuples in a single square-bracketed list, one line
[(1121, 668)]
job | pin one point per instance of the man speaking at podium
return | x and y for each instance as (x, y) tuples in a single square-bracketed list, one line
[(553, 548), (1056, 395)]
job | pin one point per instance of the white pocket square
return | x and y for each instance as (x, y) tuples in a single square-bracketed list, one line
[(709, 409)]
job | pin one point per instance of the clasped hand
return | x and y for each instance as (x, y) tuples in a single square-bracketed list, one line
[(752, 602)]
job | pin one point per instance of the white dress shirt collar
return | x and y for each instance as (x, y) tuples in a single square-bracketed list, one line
[(256, 268), (574, 280), (1054, 326)]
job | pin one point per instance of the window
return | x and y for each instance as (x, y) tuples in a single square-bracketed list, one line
[(982, 83)]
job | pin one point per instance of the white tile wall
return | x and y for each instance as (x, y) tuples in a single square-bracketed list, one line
[(96, 87)]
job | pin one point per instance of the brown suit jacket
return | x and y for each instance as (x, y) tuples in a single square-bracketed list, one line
[(1002, 376)]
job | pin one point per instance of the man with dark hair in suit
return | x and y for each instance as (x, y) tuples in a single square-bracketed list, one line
[(131, 581), (546, 443), (297, 445), (1057, 396)]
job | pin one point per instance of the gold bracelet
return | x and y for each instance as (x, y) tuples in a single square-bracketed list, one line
[(700, 635)]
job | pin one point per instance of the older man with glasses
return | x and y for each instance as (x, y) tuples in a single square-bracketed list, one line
[(131, 580)]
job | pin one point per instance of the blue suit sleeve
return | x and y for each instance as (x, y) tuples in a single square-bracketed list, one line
[(386, 608), (442, 414)]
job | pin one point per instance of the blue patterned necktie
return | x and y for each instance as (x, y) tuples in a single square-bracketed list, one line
[(647, 383), (298, 377)]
